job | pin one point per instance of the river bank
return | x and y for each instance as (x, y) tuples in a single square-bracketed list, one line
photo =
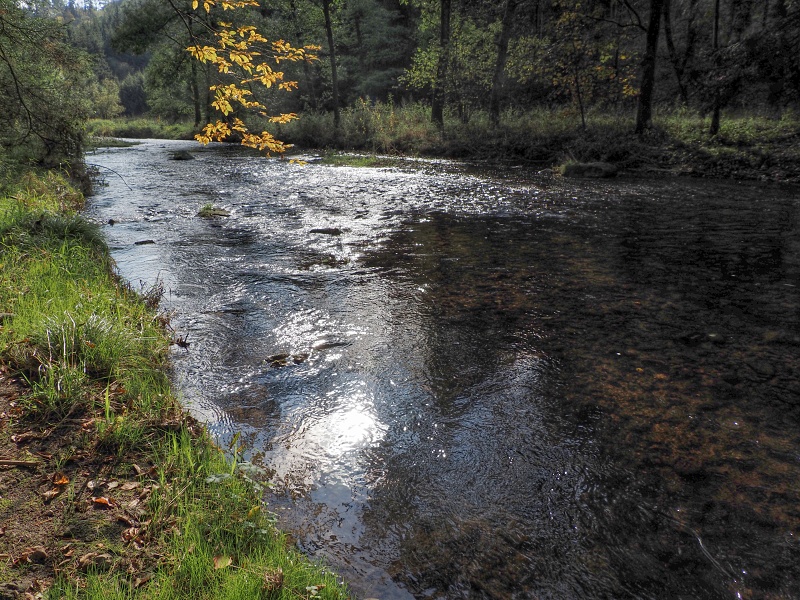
[(748, 147), (107, 488)]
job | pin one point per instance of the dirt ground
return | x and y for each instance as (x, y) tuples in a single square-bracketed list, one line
[(67, 504)]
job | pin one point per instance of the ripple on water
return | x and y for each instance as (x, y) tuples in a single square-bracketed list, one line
[(539, 388)]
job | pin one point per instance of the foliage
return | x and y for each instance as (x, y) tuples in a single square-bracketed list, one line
[(140, 127), (42, 89), (244, 56)]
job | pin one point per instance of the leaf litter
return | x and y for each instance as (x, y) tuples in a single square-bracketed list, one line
[(55, 503)]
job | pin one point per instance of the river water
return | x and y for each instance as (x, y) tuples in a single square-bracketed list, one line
[(488, 384)]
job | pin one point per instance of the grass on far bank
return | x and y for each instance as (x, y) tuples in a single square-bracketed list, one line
[(140, 128), (747, 146), (140, 503)]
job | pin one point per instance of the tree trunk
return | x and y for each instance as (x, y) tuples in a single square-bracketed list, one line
[(714, 129), (194, 85), (500, 63), (326, 9), (298, 38), (673, 54), (437, 102), (644, 112)]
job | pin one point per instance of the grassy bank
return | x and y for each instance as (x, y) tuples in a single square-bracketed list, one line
[(107, 489), (747, 147), (139, 128), (754, 147)]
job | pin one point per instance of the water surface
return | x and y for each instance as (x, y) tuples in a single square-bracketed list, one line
[(494, 385)]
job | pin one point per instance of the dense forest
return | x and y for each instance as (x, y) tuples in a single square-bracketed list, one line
[(63, 62)]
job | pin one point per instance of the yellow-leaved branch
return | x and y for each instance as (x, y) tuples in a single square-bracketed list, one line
[(243, 58)]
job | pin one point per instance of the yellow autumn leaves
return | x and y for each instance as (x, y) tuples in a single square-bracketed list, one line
[(237, 52)]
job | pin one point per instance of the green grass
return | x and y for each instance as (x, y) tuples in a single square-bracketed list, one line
[(750, 146), (95, 142), (89, 345), (140, 128)]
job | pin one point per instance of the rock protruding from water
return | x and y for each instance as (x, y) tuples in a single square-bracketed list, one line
[(181, 155), (208, 212), (593, 170), (327, 230)]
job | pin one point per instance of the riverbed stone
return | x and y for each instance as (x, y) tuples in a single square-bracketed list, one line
[(181, 155), (327, 230), (592, 170), (762, 368)]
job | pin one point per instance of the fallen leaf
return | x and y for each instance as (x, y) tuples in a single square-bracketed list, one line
[(130, 534), (112, 485), (273, 580), (49, 495), (130, 522), (220, 562), (140, 581), (103, 502), (22, 438), (94, 559), (60, 479), (130, 485)]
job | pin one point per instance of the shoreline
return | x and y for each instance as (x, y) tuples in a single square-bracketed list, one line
[(108, 488)]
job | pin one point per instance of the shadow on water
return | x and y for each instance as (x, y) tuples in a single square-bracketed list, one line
[(470, 388)]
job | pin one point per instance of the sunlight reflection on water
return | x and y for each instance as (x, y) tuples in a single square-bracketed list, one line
[(489, 389)]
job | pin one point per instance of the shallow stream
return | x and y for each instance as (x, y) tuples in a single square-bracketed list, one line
[(489, 384)]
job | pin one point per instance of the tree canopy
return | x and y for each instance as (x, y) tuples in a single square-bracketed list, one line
[(225, 63)]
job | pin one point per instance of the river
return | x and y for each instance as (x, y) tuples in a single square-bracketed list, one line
[(488, 384)]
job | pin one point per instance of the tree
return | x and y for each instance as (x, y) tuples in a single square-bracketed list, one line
[(42, 84), (173, 80), (644, 109), (326, 9), (237, 54), (437, 100), (502, 56)]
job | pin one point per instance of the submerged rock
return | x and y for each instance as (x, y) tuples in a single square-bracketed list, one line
[(144, 242), (590, 170), (284, 359)]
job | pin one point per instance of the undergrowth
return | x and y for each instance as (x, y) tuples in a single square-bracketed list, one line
[(139, 128)]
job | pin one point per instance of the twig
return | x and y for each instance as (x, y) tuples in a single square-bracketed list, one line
[(113, 171), (18, 463)]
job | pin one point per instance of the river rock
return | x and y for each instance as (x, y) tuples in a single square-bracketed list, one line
[(213, 212), (144, 242), (327, 230), (181, 155), (593, 170)]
